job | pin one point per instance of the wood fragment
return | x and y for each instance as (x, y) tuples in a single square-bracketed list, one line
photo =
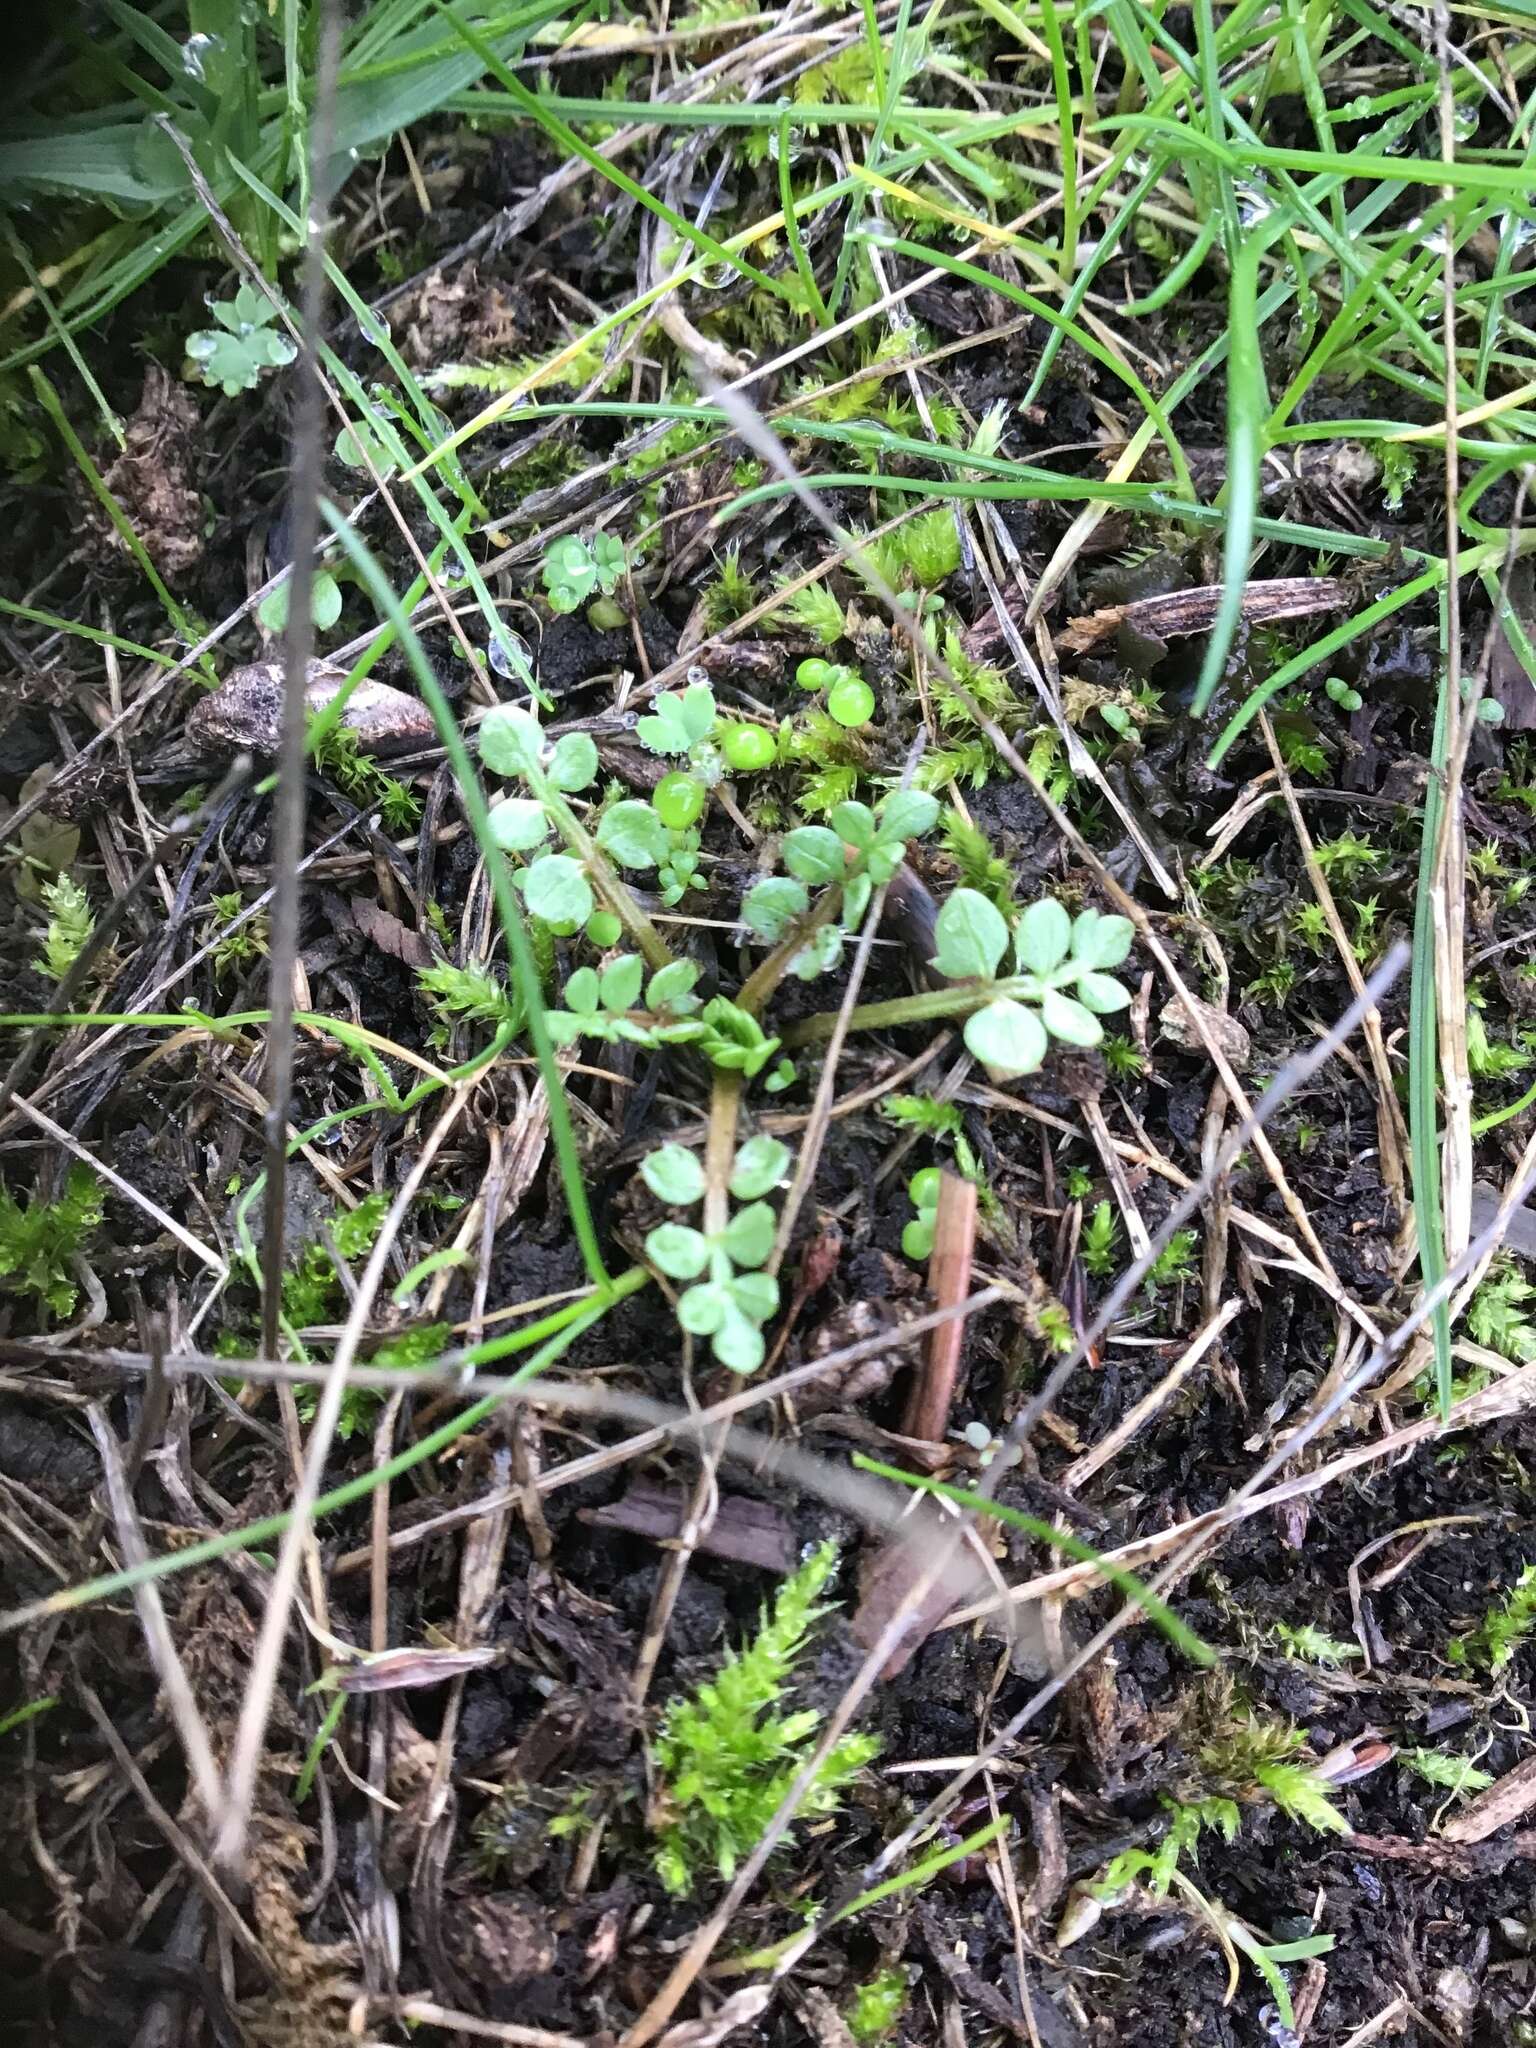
[(1506, 1799), (745, 1531), (1177, 614), (949, 1281)]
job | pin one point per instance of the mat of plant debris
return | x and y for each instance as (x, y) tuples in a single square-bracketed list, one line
[(766, 1086)]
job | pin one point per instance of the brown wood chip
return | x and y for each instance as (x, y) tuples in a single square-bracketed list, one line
[(1177, 613), (1508, 1798), (746, 1531)]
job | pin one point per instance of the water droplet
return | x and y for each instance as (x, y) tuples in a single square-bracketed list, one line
[(1523, 233), (714, 277), (796, 138), (1464, 123), (1436, 241), (195, 54), (509, 655), (696, 674), (1358, 109), (1253, 204), (977, 1435)]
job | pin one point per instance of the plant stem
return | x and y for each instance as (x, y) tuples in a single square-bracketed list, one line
[(924, 1008), (758, 988), (601, 871)]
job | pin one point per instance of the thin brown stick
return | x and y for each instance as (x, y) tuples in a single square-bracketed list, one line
[(949, 1281), (298, 645)]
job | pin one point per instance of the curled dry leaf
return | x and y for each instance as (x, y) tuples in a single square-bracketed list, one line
[(246, 711)]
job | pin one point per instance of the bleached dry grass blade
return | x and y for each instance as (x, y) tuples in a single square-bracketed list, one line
[(250, 1734)]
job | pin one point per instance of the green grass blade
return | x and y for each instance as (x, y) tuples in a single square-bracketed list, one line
[(1247, 410), (520, 951), (1424, 1065)]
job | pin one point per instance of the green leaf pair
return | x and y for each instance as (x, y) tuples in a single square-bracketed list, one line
[(1053, 952), (512, 743), (917, 1237)]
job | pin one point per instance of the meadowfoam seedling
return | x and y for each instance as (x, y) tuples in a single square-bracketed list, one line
[(574, 569), (233, 355), (1342, 693), (859, 851), (605, 1004), (731, 1298), (1054, 953), (556, 886), (324, 605)]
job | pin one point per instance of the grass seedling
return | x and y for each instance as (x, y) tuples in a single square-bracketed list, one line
[(726, 1756)]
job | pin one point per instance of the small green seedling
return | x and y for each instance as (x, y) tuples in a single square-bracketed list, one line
[(850, 700), (679, 800), (1505, 1626), (917, 1237), (324, 604), (1099, 1244), (748, 748), (70, 924), (732, 1298), (727, 1757), (1054, 952), (573, 569), (245, 342), (1346, 697), (40, 1242), (859, 851)]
